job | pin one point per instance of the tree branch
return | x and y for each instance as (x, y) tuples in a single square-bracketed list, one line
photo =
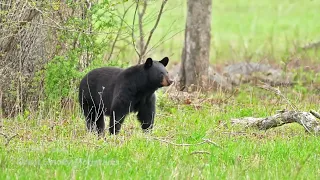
[(132, 35), (196, 144), (154, 28), (119, 31), (8, 139), (141, 28)]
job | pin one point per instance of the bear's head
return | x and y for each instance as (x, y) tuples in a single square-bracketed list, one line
[(157, 72)]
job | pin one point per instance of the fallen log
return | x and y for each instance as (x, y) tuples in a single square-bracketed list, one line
[(315, 44), (307, 119)]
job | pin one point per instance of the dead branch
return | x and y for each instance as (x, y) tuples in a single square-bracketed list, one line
[(305, 119), (196, 144), (118, 33), (141, 14), (144, 47), (278, 92), (8, 139), (311, 45), (316, 114), (162, 40), (152, 30), (132, 34), (31, 15), (200, 152)]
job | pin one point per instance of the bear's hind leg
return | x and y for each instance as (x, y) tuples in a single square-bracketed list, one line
[(89, 115), (90, 122), (100, 124)]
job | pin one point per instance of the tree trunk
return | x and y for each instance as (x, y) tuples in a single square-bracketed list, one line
[(195, 54)]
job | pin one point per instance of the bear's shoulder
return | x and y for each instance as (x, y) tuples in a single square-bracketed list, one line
[(106, 70)]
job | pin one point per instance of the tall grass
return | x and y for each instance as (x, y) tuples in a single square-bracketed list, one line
[(57, 146)]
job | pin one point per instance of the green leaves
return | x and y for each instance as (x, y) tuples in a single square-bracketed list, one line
[(83, 45), (60, 77)]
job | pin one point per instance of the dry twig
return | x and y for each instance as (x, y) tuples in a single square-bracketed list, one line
[(141, 14), (144, 47), (183, 144), (132, 34), (278, 92), (200, 152), (119, 31), (153, 29), (315, 114), (8, 139)]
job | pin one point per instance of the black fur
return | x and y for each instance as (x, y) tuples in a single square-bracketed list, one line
[(115, 92)]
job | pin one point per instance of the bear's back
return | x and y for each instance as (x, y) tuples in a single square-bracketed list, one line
[(100, 76), (105, 73), (98, 80)]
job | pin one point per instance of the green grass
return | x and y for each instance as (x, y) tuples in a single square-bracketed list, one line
[(241, 29), (60, 147)]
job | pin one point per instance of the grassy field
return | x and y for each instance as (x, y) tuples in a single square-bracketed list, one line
[(55, 145), (58, 146), (242, 30)]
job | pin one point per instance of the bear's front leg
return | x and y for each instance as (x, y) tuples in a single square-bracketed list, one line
[(119, 110), (147, 113)]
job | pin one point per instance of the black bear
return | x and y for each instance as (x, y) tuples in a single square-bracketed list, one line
[(115, 92)]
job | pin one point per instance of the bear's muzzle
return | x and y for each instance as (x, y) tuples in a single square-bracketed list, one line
[(166, 81)]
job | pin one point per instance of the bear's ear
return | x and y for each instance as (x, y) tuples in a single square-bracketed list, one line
[(148, 63), (164, 61)]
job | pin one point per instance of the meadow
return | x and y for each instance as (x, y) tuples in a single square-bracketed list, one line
[(243, 30), (189, 141)]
